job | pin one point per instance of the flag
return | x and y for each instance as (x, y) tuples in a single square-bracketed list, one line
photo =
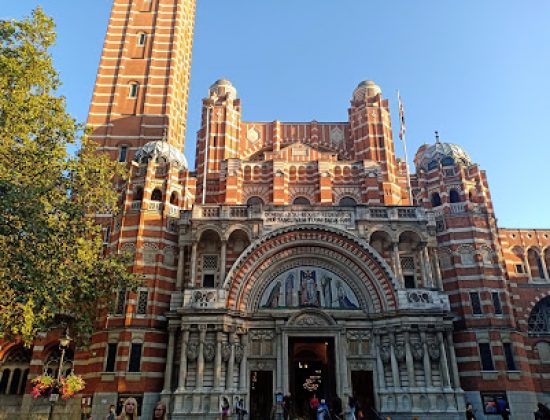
[(402, 127)]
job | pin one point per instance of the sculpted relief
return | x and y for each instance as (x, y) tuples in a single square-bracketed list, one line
[(309, 287)]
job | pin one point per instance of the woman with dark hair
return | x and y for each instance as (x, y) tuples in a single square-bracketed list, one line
[(159, 413), (129, 410)]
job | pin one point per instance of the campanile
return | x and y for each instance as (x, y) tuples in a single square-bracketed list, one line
[(142, 84)]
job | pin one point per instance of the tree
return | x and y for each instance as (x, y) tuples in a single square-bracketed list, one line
[(52, 262)]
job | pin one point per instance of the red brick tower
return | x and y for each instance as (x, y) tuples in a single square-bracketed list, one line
[(489, 348), (138, 115), (142, 83)]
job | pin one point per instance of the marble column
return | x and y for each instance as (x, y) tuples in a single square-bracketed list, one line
[(183, 359), (426, 360), (181, 267), (243, 365), (437, 270), (223, 256), (397, 264), (230, 380), (279, 350), (409, 360), (446, 382), (394, 364), (169, 361), (428, 282), (200, 359), (454, 364), (193, 276), (380, 365), (218, 361), (343, 355)]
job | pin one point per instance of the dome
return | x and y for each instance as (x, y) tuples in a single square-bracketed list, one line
[(223, 87), (161, 150), (366, 89), (430, 156)]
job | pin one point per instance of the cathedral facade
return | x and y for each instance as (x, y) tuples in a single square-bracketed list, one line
[(294, 259)]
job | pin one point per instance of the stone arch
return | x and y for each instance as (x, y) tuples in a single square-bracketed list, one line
[(371, 276), (535, 262), (14, 370), (310, 317), (538, 322), (340, 193), (204, 228), (236, 227)]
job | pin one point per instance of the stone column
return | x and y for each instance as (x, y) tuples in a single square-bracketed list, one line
[(243, 365), (183, 359), (200, 359), (454, 365), (397, 264), (429, 282), (181, 267), (279, 351), (223, 254), (443, 361), (380, 365), (229, 379), (218, 361), (193, 279), (394, 365), (343, 355), (437, 270), (409, 360), (426, 360), (167, 389)]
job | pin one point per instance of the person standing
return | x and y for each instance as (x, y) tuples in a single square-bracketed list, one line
[(159, 413), (129, 410), (503, 408), (112, 413), (239, 409), (543, 412), (225, 408), (470, 412)]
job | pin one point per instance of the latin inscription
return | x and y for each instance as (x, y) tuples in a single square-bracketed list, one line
[(333, 218)]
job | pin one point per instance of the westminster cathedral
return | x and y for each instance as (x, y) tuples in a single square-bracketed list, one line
[(296, 258)]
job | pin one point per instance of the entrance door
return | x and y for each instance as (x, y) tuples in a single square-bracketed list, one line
[(363, 390), (261, 394), (311, 372)]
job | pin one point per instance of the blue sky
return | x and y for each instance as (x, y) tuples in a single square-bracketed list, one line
[(477, 71)]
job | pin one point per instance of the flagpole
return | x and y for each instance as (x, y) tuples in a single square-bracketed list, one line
[(403, 139)]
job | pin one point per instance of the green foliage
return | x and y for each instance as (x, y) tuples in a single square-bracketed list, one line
[(51, 248)]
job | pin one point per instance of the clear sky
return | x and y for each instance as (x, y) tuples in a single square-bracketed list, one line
[(477, 71)]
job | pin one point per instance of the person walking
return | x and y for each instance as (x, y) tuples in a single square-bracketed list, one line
[(349, 412), (470, 412), (323, 411), (239, 409), (225, 409)]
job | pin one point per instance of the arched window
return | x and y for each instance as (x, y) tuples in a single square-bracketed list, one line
[(255, 201), (347, 202), (133, 90), (301, 201), (157, 195), (539, 320), (454, 196), (138, 194), (436, 199), (174, 198)]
